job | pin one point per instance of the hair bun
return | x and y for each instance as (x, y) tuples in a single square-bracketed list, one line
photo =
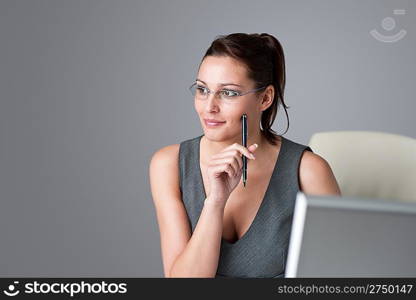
[(268, 40)]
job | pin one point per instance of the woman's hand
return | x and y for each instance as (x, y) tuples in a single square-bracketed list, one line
[(225, 170)]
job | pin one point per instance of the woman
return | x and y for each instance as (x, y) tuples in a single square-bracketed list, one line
[(210, 224)]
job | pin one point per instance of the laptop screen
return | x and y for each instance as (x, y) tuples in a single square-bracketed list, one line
[(335, 236)]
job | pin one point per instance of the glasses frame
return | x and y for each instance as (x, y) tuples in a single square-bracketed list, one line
[(217, 91)]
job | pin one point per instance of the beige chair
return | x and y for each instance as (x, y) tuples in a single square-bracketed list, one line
[(370, 164)]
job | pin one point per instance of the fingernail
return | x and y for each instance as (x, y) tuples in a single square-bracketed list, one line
[(252, 156), (256, 145)]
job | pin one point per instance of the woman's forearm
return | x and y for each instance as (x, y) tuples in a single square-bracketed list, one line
[(201, 254)]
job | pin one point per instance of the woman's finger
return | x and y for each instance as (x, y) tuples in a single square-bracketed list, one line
[(234, 151), (222, 168), (243, 150), (231, 153), (232, 160)]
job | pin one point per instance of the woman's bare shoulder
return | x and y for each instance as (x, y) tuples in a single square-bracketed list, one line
[(316, 176), (165, 161), (166, 154), (163, 172)]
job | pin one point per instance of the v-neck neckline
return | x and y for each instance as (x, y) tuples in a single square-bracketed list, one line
[(263, 201)]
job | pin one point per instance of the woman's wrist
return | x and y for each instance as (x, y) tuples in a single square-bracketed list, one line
[(214, 203)]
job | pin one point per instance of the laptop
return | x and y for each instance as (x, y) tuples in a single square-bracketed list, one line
[(334, 236)]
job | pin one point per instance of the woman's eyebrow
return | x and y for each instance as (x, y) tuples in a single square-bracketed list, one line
[(222, 84)]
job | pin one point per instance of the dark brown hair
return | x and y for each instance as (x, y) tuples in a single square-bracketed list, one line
[(263, 57)]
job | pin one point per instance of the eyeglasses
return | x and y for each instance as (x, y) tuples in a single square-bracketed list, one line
[(201, 92)]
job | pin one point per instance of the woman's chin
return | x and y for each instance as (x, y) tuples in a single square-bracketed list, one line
[(219, 135)]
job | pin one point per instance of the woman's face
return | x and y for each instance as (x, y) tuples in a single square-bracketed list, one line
[(213, 72)]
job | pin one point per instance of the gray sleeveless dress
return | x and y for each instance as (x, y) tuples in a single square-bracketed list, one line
[(262, 251)]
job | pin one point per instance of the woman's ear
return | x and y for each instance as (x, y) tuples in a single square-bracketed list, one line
[(268, 97)]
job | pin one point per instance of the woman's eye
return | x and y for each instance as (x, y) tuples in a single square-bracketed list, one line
[(201, 89), (229, 93)]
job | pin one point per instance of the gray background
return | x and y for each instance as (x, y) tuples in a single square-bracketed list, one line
[(89, 90)]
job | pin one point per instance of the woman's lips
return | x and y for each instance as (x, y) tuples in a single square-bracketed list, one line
[(213, 123)]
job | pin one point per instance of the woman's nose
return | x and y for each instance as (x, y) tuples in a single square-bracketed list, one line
[(212, 101)]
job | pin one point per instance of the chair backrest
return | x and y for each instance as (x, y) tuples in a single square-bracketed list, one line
[(370, 164)]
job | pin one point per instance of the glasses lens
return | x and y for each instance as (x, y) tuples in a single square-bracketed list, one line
[(198, 91), (228, 95), (192, 88), (201, 92)]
